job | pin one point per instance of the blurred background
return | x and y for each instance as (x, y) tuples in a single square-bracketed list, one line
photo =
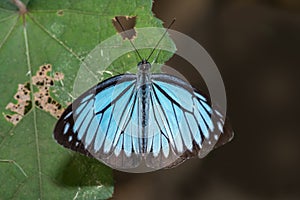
[(256, 46)]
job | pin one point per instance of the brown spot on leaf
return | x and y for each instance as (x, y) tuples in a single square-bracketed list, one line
[(14, 119), (43, 82), (60, 12), (41, 97), (58, 76), (22, 96), (127, 23), (21, 107)]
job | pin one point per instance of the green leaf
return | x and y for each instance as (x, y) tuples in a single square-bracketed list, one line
[(58, 34)]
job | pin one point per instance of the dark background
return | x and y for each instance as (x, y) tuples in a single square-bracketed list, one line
[(255, 45)]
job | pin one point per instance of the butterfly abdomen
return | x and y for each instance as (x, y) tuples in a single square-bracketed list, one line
[(143, 113), (144, 104)]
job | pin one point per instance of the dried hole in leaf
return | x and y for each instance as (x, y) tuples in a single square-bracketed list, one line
[(23, 101), (42, 98), (128, 23)]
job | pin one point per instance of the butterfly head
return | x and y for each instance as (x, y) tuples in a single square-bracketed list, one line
[(144, 66)]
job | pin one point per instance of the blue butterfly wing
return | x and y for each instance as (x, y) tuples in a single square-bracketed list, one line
[(104, 123), (183, 123), (99, 123)]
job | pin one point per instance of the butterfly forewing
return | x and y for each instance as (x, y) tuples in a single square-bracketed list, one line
[(94, 123)]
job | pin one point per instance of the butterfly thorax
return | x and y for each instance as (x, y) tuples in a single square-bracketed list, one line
[(143, 75)]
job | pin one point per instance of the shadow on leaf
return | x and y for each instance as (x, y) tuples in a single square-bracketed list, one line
[(83, 171)]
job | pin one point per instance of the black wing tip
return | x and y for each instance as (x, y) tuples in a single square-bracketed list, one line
[(63, 138)]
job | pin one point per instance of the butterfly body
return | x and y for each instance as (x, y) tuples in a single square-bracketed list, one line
[(140, 121), (143, 88)]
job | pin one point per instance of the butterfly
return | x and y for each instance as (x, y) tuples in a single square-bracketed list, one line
[(156, 118), (142, 122)]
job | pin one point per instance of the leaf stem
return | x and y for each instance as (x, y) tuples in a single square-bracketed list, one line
[(21, 6)]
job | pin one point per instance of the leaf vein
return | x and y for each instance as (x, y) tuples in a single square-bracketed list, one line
[(34, 113), (9, 33), (63, 45)]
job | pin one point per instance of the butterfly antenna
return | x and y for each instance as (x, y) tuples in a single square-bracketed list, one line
[(137, 52), (161, 38)]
